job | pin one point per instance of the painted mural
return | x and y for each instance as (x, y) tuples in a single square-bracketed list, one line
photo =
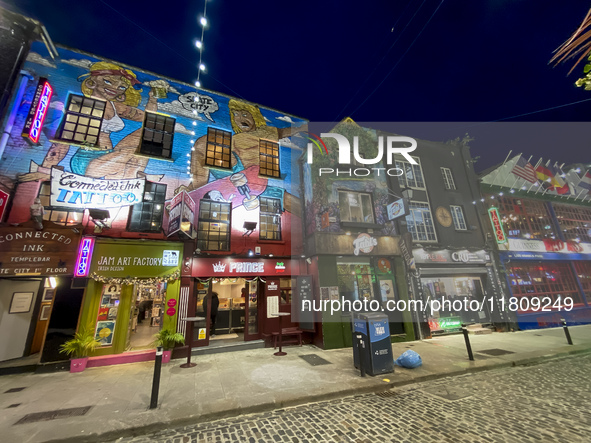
[(321, 193), (109, 159)]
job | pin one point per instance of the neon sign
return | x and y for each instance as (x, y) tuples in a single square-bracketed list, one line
[(497, 225), (38, 111), (83, 257)]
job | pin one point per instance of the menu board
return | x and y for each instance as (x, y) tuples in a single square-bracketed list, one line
[(305, 317)]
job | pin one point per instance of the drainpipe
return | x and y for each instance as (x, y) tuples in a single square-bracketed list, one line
[(25, 77)]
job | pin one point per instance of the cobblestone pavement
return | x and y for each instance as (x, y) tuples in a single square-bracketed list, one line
[(544, 402)]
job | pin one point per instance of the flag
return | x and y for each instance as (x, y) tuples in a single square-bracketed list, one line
[(543, 173), (524, 170), (557, 174), (586, 181)]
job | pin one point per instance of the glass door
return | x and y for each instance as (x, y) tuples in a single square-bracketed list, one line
[(252, 329)]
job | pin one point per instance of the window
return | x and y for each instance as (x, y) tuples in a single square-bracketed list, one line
[(355, 207), (420, 223), (457, 214), (523, 218), (269, 158), (82, 120), (219, 148), (574, 221), (270, 219), (214, 226), (147, 216), (412, 176), (64, 217), (158, 135), (583, 270), (448, 178), (543, 281)]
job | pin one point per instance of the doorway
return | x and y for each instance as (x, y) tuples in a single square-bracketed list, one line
[(145, 316), (230, 307)]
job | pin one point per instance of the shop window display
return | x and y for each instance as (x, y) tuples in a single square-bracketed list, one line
[(523, 218), (461, 290), (575, 222), (541, 281), (583, 269)]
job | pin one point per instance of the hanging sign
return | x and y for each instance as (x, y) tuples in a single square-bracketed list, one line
[(396, 209), (38, 111), (182, 214), (3, 203), (83, 258), (497, 225)]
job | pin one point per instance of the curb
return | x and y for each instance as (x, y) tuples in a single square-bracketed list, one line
[(270, 406)]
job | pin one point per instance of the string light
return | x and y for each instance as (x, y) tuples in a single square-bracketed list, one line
[(200, 42)]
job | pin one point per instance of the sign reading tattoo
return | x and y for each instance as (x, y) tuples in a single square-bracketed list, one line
[(69, 190)]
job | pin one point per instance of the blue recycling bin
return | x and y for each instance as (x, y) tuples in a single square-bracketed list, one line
[(376, 346)]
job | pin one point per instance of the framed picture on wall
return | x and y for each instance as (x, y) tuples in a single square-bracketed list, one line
[(45, 310), (21, 302), (48, 294)]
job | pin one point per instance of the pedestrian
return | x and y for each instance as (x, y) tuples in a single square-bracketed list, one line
[(215, 304)]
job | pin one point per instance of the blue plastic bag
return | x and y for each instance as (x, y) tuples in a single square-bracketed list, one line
[(409, 359)]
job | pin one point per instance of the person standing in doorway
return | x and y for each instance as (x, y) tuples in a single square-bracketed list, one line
[(215, 304)]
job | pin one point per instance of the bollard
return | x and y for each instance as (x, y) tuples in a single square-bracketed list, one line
[(565, 327), (467, 340), (360, 346), (156, 379)]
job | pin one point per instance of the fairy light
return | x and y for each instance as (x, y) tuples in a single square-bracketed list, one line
[(199, 44)]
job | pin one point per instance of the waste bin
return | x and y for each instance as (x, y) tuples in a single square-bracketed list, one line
[(378, 350), (359, 327)]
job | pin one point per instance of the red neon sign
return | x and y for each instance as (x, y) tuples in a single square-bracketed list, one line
[(497, 225), (35, 121), (83, 257)]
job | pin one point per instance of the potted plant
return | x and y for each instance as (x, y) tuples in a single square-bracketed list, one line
[(79, 347), (167, 338)]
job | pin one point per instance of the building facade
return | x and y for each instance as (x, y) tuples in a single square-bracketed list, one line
[(540, 219), (132, 197)]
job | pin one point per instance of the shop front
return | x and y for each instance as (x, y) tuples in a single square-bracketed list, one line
[(36, 268), (458, 287), (132, 292), (549, 279), (238, 299)]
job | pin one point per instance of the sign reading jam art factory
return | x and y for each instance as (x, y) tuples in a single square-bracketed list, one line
[(71, 190)]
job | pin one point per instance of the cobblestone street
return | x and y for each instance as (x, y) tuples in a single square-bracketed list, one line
[(544, 402)]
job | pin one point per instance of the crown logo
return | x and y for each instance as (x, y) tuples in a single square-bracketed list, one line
[(219, 267)]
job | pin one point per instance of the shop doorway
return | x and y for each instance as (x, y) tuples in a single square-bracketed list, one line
[(145, 316), (231, 309)]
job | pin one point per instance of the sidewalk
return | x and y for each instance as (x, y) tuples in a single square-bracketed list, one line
[(223, 385)]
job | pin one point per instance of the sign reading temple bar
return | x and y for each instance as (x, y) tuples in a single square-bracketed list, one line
[(69, 190)]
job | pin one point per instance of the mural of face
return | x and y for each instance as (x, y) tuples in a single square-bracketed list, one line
[(244, 120), (109, 87)]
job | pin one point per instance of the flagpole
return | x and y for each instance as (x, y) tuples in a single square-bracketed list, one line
[(538, 190), (502, 184), (499, 170)]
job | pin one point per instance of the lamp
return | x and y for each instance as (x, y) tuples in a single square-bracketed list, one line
[(407, 193), (249, 228), (250, 253), (99, 217)]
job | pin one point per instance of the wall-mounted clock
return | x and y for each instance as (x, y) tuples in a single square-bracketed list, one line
[(443, 216)]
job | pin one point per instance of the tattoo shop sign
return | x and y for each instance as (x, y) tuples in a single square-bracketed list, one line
[(71, 190)]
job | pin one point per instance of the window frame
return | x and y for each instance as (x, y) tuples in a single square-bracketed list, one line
[(266, 157), (456, 222), (149, 200), (203, 243), (448, 178), (415, 237), (148, 147), (574, 221), (363, 216), (403, 179), (276, 205), (213, 144), (59, 135), (51, 213)]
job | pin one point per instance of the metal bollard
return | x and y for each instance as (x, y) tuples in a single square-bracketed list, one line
[(360, 346), (467, 340), (156, 379), (565, 327)]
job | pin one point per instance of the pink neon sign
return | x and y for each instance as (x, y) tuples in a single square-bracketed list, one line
[(83, 257), (38, 117)]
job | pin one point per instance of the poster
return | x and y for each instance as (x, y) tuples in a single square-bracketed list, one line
[(21, 302), (104, 332), (387, 290)]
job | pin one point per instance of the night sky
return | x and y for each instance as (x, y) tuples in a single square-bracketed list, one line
[(478, 61)]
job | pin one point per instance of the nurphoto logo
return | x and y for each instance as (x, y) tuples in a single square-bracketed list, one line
[(393, 145)]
